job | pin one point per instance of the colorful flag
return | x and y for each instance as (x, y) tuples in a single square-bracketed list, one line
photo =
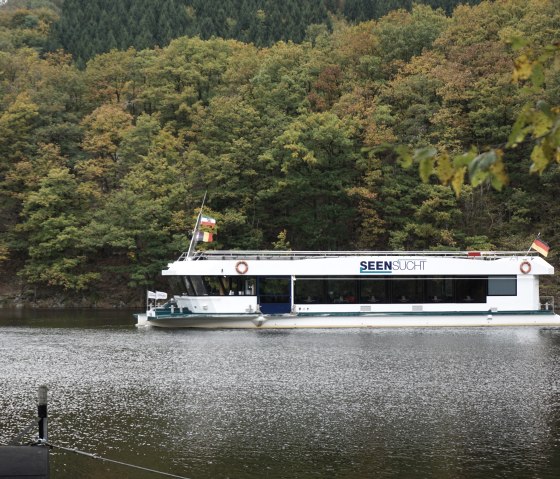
[(204, 236), (540, 246), (207, 221)]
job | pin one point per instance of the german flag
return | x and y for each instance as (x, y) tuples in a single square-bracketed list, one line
[(204, 236), (540, 246)]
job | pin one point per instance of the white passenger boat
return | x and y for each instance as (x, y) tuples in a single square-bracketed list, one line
[(288, 289)]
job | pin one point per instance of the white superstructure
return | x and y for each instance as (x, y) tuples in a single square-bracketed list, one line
[(275, 289)]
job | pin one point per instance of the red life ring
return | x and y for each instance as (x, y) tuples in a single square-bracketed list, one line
[(241, 267), (525, 267)]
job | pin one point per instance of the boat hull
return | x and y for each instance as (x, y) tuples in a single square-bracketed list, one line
[(372, 320)]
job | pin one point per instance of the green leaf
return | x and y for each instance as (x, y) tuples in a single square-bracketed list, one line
[(426, 158), (465, 158), (458, 180), (478, 177), (444, 168), (480, 166), (519, 130), (404, 156), (540, 160), (482, 162), (541, 123), (422, 154), (426, 168), (499, 177)]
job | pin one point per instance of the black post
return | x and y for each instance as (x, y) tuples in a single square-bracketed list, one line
[(42, 412)]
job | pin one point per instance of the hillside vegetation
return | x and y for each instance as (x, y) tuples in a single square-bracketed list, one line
[(89, 27), (103, 165)]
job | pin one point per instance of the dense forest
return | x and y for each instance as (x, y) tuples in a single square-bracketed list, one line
[(89, 27), (104, 164)]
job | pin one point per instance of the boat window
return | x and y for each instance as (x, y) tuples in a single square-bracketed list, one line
[(502, 286), (274, 286), (471, 289), (199, 286), (178, 285), (213, 286), (240, 285), (274, 290), (342, 290), (407, 290), (220, 285), (439, 290), (310, 290), (394, 289), (189, 288), (374, 290)]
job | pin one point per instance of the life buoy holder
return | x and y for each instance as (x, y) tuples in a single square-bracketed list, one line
[(525, 267), (241, 267)]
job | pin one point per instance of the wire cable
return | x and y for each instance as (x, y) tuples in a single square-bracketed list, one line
[(101, 458), (16, 440)]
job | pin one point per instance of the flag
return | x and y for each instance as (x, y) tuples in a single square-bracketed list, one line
[(540, 246), (207, 221), (157, 295), (204, 236)]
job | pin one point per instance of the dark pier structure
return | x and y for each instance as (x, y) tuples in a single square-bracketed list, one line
[(31, 462)]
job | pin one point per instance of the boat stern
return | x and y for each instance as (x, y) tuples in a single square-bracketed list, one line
[(142, 320)]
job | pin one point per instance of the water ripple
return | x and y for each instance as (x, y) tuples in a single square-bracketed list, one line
[(298, 404)]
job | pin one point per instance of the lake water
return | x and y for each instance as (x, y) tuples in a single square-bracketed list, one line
[(398, 403)]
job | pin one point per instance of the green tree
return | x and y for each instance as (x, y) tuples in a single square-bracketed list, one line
[(111, 77), (315, 163), (403, 35), (16, 131), (143, 222), (52, 220), (105, 129)]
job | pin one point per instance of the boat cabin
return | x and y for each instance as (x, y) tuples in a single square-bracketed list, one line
[(275, 282)]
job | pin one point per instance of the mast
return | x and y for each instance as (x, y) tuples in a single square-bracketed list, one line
[(538, 237), (196, 227)]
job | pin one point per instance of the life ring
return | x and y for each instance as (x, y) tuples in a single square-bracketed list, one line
[(241, 267), (525, 267)]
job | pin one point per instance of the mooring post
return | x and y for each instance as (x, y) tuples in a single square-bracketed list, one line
[(42, 413)]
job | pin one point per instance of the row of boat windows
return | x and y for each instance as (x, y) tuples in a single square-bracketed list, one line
[(381, 289)]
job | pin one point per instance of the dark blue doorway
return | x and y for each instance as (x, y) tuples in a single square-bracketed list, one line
[(274, 294)]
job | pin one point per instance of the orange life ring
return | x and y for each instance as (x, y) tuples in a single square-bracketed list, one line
[(241, 267), (525, 267)]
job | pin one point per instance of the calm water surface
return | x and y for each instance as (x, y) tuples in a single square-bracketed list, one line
[(406, 403)]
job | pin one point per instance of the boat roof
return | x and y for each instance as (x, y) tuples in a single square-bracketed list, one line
[(337, 263), (278, 255)]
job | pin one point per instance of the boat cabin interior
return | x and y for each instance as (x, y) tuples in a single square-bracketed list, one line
[(353, 289)]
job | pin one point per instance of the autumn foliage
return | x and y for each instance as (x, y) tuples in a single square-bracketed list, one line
[(103, 163)]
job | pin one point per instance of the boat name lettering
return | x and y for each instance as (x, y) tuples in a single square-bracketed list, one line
[(387, 267)]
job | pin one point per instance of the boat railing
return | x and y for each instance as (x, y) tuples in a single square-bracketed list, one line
[(547, 303), (290, 255)]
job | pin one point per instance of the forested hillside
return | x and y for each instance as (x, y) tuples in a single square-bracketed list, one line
[(102, 168), (89, 27)]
